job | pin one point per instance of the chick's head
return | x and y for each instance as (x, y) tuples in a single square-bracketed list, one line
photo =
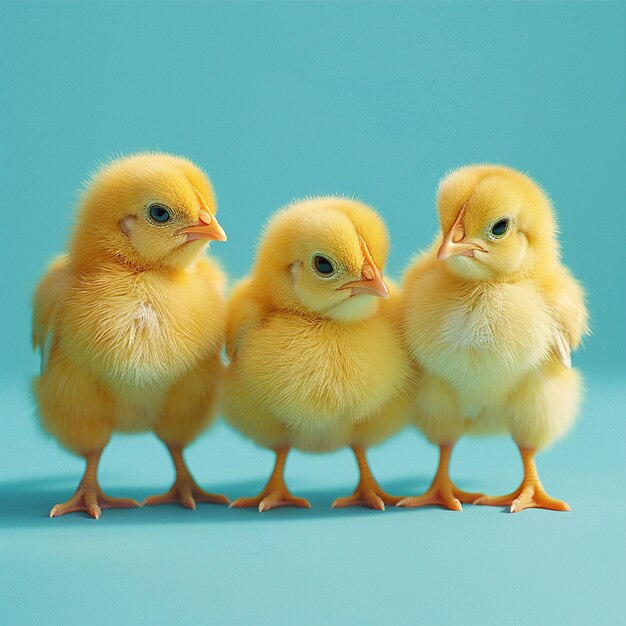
[(324, 256), (496, 223), (147, 210)]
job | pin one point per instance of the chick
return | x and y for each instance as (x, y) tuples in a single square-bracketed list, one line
[(315, 363), (490, 315), (130, 322)]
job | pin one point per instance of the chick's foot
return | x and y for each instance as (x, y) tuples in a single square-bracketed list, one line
[(364, 495), (275, 493), (443, 492), (91, 499), (447, 495), (271, 498), (530, 494), (185, 491), (88, 496), (368, 492)]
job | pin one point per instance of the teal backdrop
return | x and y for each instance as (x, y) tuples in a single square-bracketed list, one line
[(279, 100)]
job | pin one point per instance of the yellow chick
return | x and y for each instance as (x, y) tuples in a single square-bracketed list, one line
[(490, 315), (315, 363), (130, 322)]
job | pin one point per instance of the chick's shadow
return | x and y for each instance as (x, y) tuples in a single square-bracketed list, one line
[(27, 503)]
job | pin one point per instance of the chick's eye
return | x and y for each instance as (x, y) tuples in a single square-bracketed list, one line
[(499, 228), (322, 265), (159, 213)]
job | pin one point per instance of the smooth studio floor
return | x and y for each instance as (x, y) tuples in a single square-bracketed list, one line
[(168, 565)]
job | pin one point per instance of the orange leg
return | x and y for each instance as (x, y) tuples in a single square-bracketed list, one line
[(530, 494), (275, 493), (368, 492), (185, 490), (89, 496), (443, 491)]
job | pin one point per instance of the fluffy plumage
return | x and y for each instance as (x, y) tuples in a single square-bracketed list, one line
[(130, 322), (315, 361), (490, 315)]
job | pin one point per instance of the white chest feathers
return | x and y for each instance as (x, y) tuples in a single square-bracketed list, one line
[(135, 345), (143, 336), (486, 339), (476, 327), (145, 323)]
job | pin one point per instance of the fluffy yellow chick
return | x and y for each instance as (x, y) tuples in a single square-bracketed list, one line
[(490, 315), (315, 363), (130, 322)]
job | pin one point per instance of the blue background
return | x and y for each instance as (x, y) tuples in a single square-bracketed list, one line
[(282, 100)]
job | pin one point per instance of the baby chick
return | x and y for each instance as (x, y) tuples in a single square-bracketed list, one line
[(130, 322), (490, 315), (315, 363)]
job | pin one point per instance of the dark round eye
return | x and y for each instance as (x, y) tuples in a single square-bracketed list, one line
[(159, 213), (322, 265), (500, 227)]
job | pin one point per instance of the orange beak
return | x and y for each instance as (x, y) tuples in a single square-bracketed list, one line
[(371, 282), (453, 244), (207, 228)]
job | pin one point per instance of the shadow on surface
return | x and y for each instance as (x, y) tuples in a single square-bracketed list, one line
[(27, 503)]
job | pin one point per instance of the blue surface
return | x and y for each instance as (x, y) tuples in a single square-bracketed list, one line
[(168, 565), (283, 100)]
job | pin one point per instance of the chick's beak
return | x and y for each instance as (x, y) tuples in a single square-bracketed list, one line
[(453, 244), (371, 282), (207, 228)]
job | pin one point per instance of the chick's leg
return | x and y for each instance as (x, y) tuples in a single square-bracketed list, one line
[(275, 493), (542, 410), (185, 490), (89, 496), (530, 494), (442, 491), (368, 492)]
